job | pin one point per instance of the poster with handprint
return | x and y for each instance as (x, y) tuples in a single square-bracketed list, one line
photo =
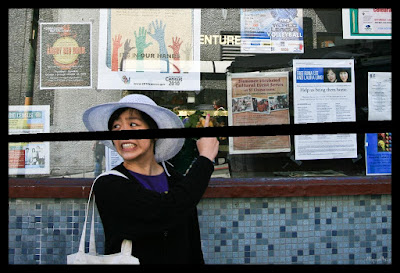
[(149, 49)]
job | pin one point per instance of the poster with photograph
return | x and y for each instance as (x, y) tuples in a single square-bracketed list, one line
[(367, 23), (28, 157), (260, 98), (324, 91), (378, 153), (65, 55), (149, 49), (271, 30), (379, 95)]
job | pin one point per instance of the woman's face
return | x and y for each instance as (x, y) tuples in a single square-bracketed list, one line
[(132, 149), (344, 76), (331, 76)]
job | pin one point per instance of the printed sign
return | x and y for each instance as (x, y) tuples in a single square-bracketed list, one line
[(324, 91), (258, 99), (28, 157), (271, 30), (149, 49), (65, 55)]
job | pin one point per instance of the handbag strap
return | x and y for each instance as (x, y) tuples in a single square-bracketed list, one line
[(126, 247), (92, 243)]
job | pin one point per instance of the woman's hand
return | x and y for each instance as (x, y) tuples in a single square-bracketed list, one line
[(208, 146)]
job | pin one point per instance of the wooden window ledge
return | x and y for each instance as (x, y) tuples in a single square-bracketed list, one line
[(218, 187)]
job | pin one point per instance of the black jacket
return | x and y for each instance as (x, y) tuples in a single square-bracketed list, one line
[(164, 228)]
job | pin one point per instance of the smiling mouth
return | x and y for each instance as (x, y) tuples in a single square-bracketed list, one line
[(128, 145)]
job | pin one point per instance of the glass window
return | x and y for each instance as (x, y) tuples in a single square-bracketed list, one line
[(213, 44)]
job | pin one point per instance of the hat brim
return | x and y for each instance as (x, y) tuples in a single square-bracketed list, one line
[(96, 119)]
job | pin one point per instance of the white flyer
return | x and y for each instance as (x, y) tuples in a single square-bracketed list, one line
[(113, 159), (324, 91), (28, 157), (271, 30), (379, 95), (375, 20)]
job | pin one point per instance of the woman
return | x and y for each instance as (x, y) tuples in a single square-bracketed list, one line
[(331, 75), (343, 75), (156, 207)]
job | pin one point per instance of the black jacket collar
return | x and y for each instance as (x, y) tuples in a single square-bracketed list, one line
[(175, 176)]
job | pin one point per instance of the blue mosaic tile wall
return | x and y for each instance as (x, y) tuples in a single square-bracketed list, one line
[(297, 230)]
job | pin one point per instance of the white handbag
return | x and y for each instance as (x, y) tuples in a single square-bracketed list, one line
[(80, 257)]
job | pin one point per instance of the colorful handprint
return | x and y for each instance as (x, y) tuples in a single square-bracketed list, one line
[(158, 35), (176, 45), (114, 58), (141, 45)]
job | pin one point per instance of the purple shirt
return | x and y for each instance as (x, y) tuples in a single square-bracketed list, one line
[(158, 183)]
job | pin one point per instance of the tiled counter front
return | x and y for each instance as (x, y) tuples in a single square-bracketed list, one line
[(291, 230)]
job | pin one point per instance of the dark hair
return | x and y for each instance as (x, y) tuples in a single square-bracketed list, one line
[(146, 118)]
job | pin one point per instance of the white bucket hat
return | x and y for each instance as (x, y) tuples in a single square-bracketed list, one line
[(96, 119)]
